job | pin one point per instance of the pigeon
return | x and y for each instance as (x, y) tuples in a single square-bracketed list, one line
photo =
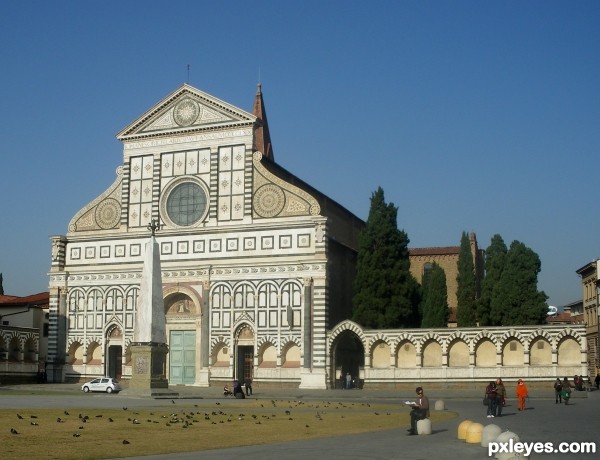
[(19, 417), (33, 416), (173, 401), (13, 431), (34, 423), (125, 441), (124, 408), (76, 435), (110, 419), (59, 420), (66, 413)]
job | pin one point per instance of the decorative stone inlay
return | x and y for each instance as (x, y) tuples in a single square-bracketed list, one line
[(186, 112), (269, 200), (108, 213)]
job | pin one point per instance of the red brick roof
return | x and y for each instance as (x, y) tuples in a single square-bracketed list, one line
[(41, 300)]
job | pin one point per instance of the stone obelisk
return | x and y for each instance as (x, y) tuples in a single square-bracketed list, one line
[(149, 348)]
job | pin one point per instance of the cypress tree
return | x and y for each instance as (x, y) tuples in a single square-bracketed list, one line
[(517, 300), (435, 299), (385, 293), (466, 290), (1, 286), (495, 258)]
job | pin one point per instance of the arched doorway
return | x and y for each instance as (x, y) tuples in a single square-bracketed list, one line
[(181, 314), (244, 354), (114, 347), (348, 358)]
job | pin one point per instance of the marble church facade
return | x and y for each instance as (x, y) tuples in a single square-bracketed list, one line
[(256, 264), (257, 270)]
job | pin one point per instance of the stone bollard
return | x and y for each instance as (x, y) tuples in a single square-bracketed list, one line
[(424, 426), (510, 456), (474, 433), (462, 429), (505, 437), (439, 405), (490, 434)]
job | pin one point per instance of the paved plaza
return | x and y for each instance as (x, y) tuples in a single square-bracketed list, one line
[(542, 421)]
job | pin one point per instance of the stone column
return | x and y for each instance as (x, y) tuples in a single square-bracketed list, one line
[(203, 376)]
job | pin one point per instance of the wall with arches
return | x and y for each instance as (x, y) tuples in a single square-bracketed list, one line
[(465, 354)]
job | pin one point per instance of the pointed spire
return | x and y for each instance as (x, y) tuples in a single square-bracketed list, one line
[(262, 138)]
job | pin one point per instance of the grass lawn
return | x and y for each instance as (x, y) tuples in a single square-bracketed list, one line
[(73, 433)]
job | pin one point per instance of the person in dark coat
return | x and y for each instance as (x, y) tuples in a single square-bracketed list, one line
[(491, 394), (238, 392), (420, 410)]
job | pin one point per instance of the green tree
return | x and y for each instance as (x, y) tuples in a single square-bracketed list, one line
[(386, 295), (1, 286), (495, 259), (435, 298), (517, 300), (466, 291)]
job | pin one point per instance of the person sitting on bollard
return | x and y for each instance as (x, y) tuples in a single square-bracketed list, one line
[(420, 410)]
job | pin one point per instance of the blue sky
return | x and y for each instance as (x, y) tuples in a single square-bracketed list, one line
[(472, 116)]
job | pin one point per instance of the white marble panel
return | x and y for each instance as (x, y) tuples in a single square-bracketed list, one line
[(147, 167), (191, 162)]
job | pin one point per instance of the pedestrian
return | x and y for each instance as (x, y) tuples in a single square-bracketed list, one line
[(237, 390), (248, 386), (420, 410), (521, 394), (348, 381), (500, 397), (491, 394), (577, 382), (558, 391), (597, 381), (342, 380), (566, 390)]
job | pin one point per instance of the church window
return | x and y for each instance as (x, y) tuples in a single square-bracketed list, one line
[(186, 203)]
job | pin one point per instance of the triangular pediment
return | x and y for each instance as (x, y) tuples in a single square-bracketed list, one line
[(186, 110)]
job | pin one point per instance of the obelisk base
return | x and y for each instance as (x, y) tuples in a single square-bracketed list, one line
[(148, 373)]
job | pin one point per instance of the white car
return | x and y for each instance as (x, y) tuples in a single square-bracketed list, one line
[(106, 384)]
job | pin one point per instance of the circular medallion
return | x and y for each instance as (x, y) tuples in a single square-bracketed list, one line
[(269, 200), (108, 214), (186, 112)]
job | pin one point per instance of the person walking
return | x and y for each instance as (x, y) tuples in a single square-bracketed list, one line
[(500, 397), (491, 394), (597, 381), (420, 410), (558, 391), (522, 393), (566, 390), (248, 386), (348, 381)]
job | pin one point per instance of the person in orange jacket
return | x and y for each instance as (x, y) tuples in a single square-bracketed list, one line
[(521, 394)]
